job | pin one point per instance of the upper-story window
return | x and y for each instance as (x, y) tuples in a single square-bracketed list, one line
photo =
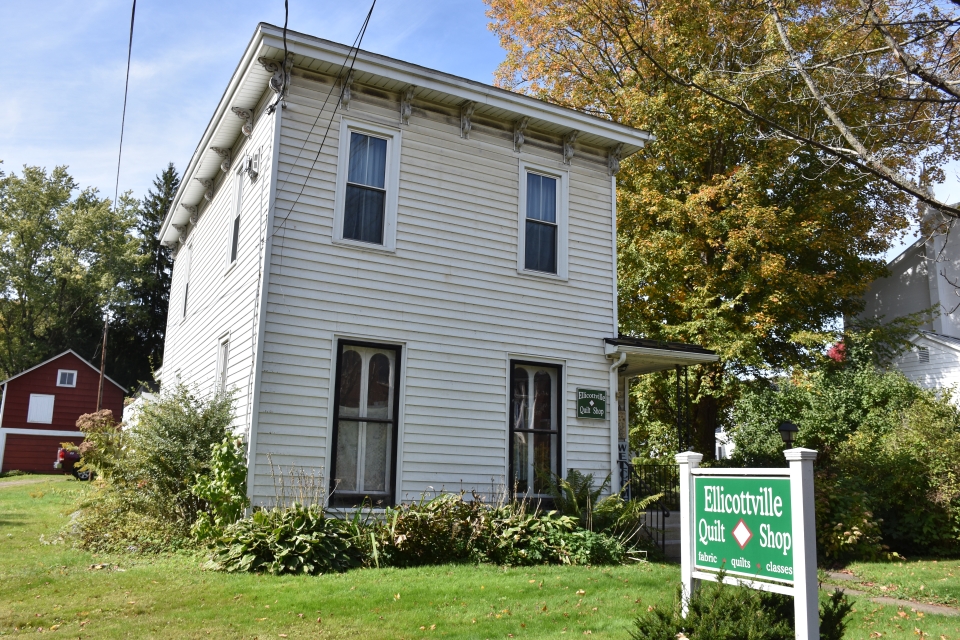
[(367, 185), (186, 283), (543, 221), (66, 378), (237, 208)]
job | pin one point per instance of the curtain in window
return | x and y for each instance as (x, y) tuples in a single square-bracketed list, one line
[(366, 196), (365, 420), (535, 427), (540, 250)]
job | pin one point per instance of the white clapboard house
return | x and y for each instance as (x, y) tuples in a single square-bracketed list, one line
[(410, 291), (926, 275)]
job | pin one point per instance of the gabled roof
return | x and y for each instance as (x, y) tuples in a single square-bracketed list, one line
[(947, 341), (250, 81), (60, 355)]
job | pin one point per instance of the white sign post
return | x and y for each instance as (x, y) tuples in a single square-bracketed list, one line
[(757, 525)]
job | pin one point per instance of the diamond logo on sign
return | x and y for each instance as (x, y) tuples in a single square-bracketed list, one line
[(742, 533)]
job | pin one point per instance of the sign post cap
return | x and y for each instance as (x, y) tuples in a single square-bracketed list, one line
[(798, 454), (688, 457)]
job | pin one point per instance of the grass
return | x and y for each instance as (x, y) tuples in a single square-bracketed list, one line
[(924, 580), (77, 594)]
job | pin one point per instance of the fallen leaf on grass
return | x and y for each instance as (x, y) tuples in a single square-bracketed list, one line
[(396, 596), (531, 581), (876, 634), (260, 619), (581, 592), (283, 635)]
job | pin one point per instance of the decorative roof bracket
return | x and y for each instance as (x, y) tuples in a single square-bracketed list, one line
[(225, 154), (406, 104), (519, 127), (247, 116), (466, 118), (613, 159), (208, 186), (568, 149), (280, 80), (193, 211)]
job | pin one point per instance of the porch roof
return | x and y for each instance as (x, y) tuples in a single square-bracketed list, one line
[(647, 356)]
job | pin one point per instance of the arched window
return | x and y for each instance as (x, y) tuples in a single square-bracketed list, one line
[(534, 427), (365, 425)]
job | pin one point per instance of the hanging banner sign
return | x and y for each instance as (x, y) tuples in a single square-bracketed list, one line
[(744, 526), (591, 404)]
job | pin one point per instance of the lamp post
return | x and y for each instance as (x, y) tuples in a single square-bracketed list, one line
[(788, 431)]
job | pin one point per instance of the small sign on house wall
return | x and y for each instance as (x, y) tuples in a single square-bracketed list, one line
[(591, 404)]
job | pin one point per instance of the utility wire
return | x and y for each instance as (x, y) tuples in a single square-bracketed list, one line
[(351, 58), (123, 118)]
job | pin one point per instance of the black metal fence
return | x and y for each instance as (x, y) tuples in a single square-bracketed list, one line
[(649, 480)]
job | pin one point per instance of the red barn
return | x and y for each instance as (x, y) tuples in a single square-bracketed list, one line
[(40, 408)]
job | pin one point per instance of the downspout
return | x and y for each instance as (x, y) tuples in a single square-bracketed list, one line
[(613, 411)]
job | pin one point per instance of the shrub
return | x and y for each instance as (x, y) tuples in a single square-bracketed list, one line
[(444, 529), (294, 540), (720, 611), (144, 499), (889, 456), (224, 489)]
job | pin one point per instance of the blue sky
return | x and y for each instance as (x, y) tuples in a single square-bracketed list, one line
[(62, 91)]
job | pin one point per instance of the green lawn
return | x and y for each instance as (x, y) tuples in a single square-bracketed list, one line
[(53, 586)]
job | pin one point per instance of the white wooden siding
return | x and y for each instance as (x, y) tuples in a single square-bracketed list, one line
[(223, 298), (450, 295), (942, 371)]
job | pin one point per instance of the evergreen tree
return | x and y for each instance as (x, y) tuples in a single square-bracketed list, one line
[(135, 345)]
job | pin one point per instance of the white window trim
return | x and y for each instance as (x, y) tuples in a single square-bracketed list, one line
[(220, 379), (52, 407), (60, 372), (185, 289), (236, 211), (563, 198), (391, 182)]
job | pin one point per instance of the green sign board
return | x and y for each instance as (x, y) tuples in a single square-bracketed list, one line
[(744, 525), (591, 404)]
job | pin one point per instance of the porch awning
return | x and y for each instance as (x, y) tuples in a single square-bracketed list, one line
[(647, 356)]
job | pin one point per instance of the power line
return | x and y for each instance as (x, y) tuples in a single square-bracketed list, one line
[(123, 118), (354, 50)]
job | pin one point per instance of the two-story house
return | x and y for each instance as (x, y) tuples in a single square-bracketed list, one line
[(407, 279)]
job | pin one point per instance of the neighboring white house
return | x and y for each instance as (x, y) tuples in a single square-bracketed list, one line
[(926, 275), (414, 290)]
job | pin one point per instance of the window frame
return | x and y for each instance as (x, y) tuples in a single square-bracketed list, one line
[(391, 183), (559, 405), (223, 363), (233, 238), (563, 196), (336, 498), (186, 283), (60, 372), (53, 405)]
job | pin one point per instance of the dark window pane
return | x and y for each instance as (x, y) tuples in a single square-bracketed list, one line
[(542, 401), (520, 393), (236, 239), (378, 387), (351, 368), (348, 451), (363, 214), (375, 456), (540, 252), (543, 466), (541, 198), (368, 160), (521, 462)]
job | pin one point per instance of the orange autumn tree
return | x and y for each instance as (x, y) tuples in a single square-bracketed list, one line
[(730, 237)]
